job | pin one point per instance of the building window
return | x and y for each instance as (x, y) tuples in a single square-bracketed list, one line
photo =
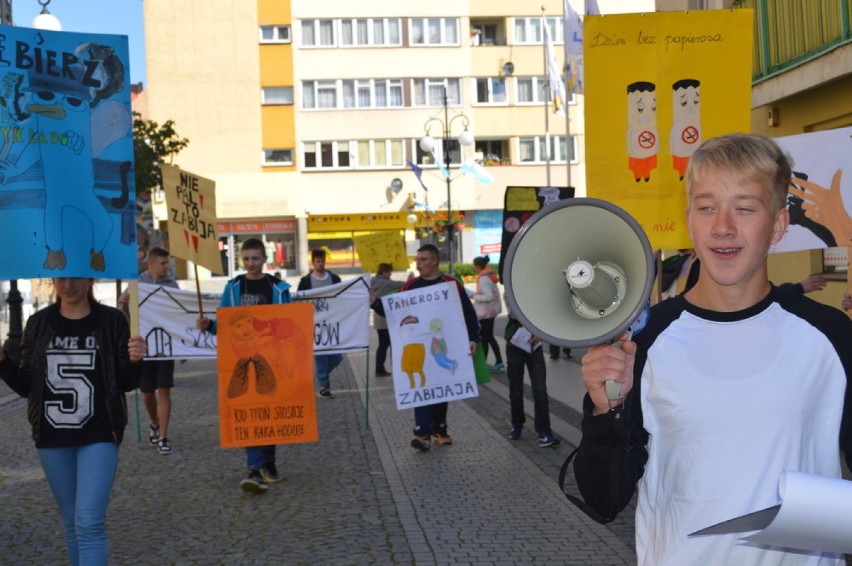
[(275, 34), (533, 90), (379, 153), (319, 94), (492, 152), (364, 32), (430, 92), (276, 95), (434, 31), (277, 157), (490, 90), (326, 155), (453, 147), (372, 93), (318, 33), (532, 150), (528, 30)]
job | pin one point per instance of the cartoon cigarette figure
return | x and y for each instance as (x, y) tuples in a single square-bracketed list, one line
[(643, 143), (439, 346), (686, 127), (414, 350)]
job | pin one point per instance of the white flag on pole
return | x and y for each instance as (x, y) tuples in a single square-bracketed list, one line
[(554, 77), (574, 44)]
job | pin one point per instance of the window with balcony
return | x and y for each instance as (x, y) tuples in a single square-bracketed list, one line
[(275, 34), (492, 152), (272, 95), (434, 31)]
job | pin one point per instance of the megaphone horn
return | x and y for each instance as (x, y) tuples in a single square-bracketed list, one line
[(579, 272)]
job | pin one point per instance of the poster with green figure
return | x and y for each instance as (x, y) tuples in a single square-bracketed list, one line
[(67, 194)]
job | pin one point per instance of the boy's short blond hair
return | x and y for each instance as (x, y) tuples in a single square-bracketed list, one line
[(749, 157)]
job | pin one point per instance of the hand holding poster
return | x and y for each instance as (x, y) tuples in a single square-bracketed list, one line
[(429, 346), (266, 375)]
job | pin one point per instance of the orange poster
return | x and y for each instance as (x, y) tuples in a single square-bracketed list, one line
[(266, 375)]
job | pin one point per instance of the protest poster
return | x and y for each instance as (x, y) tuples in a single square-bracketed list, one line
[(341, 316), (191, 205), (657, 85), (266, 375), (820, 198), (381, 247), (430, 350), (167, 322), (67, 190)]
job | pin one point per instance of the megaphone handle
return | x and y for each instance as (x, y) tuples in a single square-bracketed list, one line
[(613, 388)]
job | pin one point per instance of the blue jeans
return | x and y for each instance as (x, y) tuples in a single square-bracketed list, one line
[(258, 456), (430, 419), (323, 365), (534, 362), (80, 478)]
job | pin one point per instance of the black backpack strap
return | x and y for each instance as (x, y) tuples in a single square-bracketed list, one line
[(563, 471)]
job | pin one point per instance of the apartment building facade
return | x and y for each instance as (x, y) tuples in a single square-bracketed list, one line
[(307, 114)]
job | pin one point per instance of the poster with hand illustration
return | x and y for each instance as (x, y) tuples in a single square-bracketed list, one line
[(67, 192), (266, 375), (820, 197), (430, 350)]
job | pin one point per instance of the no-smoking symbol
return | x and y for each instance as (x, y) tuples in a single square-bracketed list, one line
[(689, 135), (647, 139)]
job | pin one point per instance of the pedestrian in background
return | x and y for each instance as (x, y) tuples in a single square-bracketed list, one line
[(158, 376), (526, 352), (487, 303), (382, 285), (78, 427), (318, 278), (253, 288)]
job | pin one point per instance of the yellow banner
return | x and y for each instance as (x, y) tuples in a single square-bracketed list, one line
[(686, 77), (191, 202), (381, 247), (266, 387)]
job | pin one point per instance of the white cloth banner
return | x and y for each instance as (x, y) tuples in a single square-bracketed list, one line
[(167, 322), (429, 320), (341, 316), (167, 319)]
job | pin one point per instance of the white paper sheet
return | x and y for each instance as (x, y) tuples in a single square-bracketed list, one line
[(816, 514)]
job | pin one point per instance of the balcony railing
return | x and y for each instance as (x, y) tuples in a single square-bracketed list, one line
[(788, 33)]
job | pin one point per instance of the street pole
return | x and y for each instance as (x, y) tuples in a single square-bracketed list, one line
[(450, 226)]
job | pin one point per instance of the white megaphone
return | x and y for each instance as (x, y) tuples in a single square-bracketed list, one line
[(579, 272)]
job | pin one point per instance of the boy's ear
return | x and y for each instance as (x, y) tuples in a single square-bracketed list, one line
[(782, 222)]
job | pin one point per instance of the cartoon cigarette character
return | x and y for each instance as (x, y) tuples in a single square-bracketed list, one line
[(414, 350), (686, 127), (643, 143)]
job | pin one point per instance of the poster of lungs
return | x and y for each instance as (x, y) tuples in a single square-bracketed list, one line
[(820, 197), (266, 375), (67, 195), (657, 85), (430, 350)]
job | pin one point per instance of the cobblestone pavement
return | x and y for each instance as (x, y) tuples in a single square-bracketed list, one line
[(361, 495)]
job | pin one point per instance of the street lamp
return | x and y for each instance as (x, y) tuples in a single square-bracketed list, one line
[(427, 144)]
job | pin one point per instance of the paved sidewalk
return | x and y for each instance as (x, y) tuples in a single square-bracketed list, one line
[(358, 496)]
